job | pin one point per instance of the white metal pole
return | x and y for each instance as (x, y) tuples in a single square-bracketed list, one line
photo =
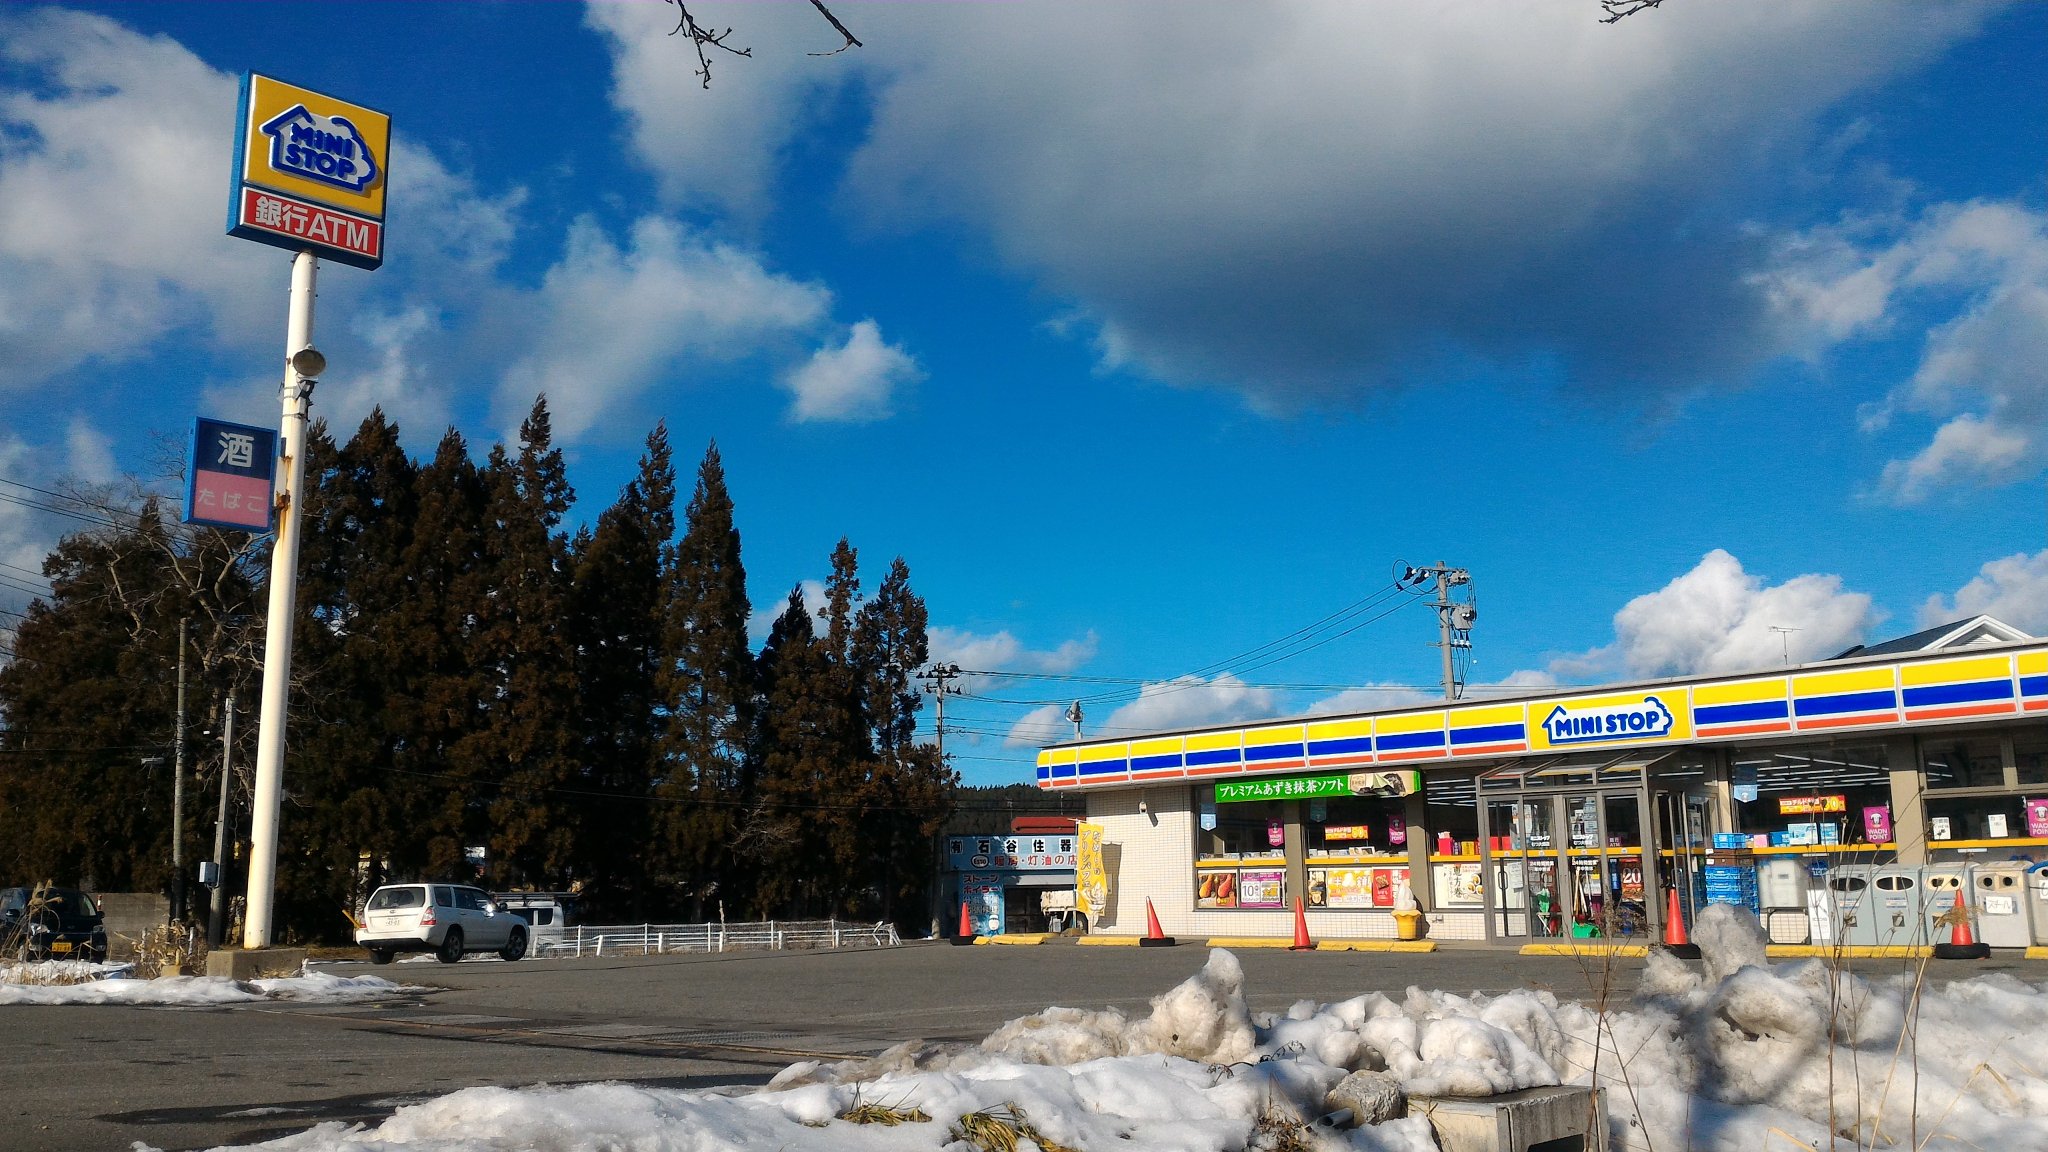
[(277, 636)]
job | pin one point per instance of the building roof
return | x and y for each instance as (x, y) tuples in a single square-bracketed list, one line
[(1968, 633)]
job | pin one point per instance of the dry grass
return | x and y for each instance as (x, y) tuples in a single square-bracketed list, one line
[(883, 1114), (999, 1129)]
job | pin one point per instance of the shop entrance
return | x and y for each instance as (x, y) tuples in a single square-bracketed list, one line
[(1579, 848)]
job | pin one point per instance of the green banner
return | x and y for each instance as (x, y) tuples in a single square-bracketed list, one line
[(1288, 788)]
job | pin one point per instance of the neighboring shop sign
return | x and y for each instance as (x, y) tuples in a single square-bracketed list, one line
[(983, 895), (310, 172), (1025, 852), (1811, 805)]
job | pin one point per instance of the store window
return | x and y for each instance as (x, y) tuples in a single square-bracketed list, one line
[(1963, 762), (1455, 873), (1357, 826), (2030, 758), (1241, 853), (1820, 795), (1960, 818)]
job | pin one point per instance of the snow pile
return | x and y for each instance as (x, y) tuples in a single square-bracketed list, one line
[(1734, 1062), (51, 972), (315, 988)]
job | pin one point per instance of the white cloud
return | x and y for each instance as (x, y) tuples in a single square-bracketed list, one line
[(1337, 195), (1003, 652), (1040, 726), (609, 321), (2014, 589), (1983, 370), (1719, 618), (853, 383), (1190, 702)]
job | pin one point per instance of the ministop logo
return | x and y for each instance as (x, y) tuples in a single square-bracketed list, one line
[(1633, 721), (329, 149)]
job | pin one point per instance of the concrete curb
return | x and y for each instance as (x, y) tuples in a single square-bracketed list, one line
[(1019, 939), (1375, 945), (1585, 948), (1850, 951), (1109, 941)]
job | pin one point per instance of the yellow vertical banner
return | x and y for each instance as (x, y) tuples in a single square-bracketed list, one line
[(1091, 875)]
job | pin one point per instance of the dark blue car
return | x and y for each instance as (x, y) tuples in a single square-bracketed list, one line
[(51, 924)]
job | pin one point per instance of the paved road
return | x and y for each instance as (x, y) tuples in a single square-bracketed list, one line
[(100, 1077)]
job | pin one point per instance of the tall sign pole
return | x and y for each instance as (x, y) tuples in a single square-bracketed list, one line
[(310, 175), (302, 363)]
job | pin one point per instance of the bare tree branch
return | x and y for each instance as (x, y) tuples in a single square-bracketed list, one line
[(851, 42), (1618, 10), (700, 36)]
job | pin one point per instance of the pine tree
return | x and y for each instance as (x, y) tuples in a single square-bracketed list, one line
[(616, 604), (706, 692)]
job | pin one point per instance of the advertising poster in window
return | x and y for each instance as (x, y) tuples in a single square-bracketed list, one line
[(1216, 889), (2037, 817), (1261, 889)]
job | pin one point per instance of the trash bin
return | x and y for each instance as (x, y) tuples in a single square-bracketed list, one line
[(1854, 916), (1896, 914), (1939, 886), (1781, 889), (2037, 885), (1999, 893)]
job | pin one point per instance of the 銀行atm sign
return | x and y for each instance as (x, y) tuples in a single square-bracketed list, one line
[(310, 172)]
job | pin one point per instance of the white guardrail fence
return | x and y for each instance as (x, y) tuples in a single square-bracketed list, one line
[(654, 939)]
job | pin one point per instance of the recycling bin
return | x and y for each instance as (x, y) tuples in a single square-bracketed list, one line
[(1781, 890), (1895, 911), (1854, 915), (2037, 886), (1999, 893), (1940, 884)]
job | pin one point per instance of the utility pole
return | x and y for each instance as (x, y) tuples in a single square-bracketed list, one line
[(1074, 717), (1454, 619), (938, 675), (216, 917), (178, 787)]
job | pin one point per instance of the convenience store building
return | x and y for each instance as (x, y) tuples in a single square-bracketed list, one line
[(1572, 812)]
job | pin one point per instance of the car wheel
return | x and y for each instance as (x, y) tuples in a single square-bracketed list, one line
[(381, 955), (515, 947), (451, 947)]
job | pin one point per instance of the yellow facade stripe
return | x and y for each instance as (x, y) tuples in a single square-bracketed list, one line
[(1339, 729), (2033, 663), (1276, 734), (1829, 683), (1059, 756), (1400, 722), (1211, 741), (1740, 692), (1957, 671), (1096, 753), (1494, 714), (1163, 747)]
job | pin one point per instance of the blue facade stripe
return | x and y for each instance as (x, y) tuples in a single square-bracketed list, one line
[(1488, 734), (1211, 756), (1100, 767), (2034, 685), (1273, 752), (1063, 770), (1148, 763), (1401, 741), (1344, 747), (1045, 771), (1927, 695), (1703, 714), (1879, 701)]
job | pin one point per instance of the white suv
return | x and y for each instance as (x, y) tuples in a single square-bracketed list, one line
[(445, 919)]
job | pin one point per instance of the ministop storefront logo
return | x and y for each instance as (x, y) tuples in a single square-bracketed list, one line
[(310, 172), (1643, 719)]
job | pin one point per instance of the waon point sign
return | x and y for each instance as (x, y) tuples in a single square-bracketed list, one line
[(231, 476)]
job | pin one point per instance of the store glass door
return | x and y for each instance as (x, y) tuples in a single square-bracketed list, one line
[(1682, 847), (1522, 868), (1604, 890)]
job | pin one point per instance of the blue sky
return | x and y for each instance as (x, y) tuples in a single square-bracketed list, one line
[(1146, 333)]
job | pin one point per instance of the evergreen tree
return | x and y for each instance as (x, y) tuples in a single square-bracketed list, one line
[(617, 609), (784, 836), (522, 644), (706, 695)]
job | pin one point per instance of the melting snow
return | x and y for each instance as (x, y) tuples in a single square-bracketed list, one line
[(106, 984), (1692, 1062)]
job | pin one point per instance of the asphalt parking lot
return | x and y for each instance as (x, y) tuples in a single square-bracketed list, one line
[(101, 1077)]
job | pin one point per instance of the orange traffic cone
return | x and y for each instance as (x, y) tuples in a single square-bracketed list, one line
[(1301, 940), (966, 934), (1962, 943), (1676, 941), (1154, 938)]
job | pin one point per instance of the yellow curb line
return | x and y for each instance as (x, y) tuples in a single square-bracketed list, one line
[(1851, 951), (1110, 941), (2037, 952), (1375, 945), (1017, 938), (1585, 948)]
